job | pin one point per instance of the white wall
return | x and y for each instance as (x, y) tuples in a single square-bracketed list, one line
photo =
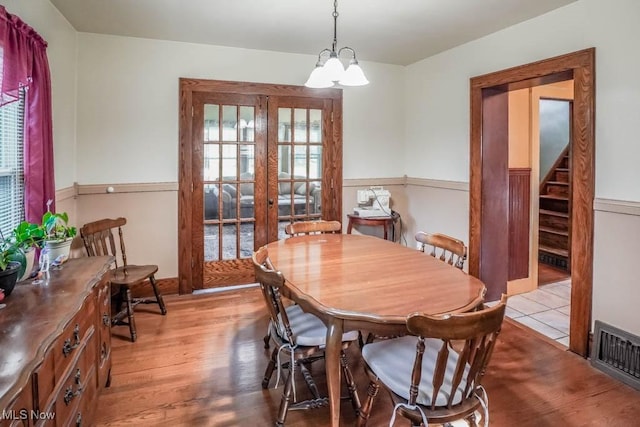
[(128, 105), (61, 52), (128, 90), (616, 293), (437, 129)]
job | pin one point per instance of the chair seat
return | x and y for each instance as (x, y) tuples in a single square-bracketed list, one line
[(392, 362), (308, 329), (135, 274)]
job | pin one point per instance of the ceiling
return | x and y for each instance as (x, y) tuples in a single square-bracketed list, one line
[(399, 32)]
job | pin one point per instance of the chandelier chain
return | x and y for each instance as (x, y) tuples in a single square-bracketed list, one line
[(335, 25)]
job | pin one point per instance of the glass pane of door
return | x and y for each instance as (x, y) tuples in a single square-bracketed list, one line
[(299, 165), (228, 181)]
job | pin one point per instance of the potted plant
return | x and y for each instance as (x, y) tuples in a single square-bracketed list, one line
[(9, 268), (27, 237), (57, 235)]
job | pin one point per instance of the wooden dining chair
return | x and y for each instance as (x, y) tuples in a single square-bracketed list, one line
[(313, 227), (430, 379), (443, 247), (99, 239), (301, 337), (302, 228)]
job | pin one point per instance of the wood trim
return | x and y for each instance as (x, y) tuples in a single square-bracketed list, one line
[(187, 88), (582, 194), (495, 192), (436, 183), (173, 186), (67, 193), (581, 67), (622, 207), (336, 170), (519, 221), (248, 88), (144, 187), (165, 286), (185, 179)]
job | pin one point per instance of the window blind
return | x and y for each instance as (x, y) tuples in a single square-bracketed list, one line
[(11, 164)]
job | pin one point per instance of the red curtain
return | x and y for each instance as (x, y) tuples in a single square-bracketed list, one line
[(25, 65)]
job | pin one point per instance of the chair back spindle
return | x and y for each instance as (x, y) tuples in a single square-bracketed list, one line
[(271, 281), (478, 330), (99, 240), (122, 249), (445, 248)]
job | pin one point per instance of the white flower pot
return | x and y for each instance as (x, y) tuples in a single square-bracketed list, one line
[(30, 255), (58, 249)]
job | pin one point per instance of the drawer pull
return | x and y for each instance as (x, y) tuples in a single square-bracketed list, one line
[(105, 320), (67, 347), (69, 394), (78, 376)]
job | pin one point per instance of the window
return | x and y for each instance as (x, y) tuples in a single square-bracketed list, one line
[(11, 164)]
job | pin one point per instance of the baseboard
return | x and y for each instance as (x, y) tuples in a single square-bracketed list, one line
[(167, 286)]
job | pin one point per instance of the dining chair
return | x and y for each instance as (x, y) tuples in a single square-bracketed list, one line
[(443, 247), (99, 239), (313, 227), (302, 228), (430, 379), (301, 337)]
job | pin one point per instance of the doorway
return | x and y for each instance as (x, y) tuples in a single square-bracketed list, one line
[(539, 208), (253, 158), (489, 178)]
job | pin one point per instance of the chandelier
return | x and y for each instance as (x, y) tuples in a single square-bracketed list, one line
[(329, 69)]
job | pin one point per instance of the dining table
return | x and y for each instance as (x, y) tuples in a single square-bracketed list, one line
[(358, 282)]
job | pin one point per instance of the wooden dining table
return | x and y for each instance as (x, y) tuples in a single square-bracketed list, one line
[(357, 282)]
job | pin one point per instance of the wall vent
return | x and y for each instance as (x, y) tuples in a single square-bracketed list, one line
[(617, 353)]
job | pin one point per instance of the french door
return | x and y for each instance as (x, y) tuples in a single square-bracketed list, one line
[(253, 159)]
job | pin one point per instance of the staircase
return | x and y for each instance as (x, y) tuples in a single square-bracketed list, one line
[(554, 240)]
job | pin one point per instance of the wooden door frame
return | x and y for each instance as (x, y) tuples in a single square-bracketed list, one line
[(579, 66), (187, 89)]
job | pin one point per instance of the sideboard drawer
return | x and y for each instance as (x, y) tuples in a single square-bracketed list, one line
[(44, 381), (78, 384), (67, 344), (84, 411)]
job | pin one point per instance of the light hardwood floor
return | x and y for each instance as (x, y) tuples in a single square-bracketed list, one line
[(202, 365)]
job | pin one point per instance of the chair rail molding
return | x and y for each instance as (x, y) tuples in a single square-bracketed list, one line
[(622, 207)]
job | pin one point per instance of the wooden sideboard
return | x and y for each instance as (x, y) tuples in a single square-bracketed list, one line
[(55, 346)]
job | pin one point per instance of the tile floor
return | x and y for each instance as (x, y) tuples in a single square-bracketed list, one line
[(545, 310)]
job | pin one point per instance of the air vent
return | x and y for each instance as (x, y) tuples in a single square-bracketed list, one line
[(617, 353)]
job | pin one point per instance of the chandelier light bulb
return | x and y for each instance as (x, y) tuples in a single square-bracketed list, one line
[(334, 68), (318, 78), (353, 76)]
